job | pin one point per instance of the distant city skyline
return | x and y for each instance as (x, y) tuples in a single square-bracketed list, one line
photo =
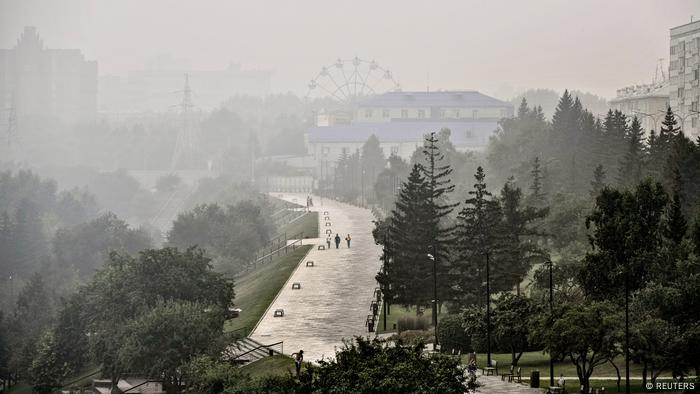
[(500, 48)]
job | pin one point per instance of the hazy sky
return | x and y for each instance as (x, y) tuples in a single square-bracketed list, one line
[(498, 47)]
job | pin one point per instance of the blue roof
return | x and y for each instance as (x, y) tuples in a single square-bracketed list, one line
[(467, 98), (464, 134)]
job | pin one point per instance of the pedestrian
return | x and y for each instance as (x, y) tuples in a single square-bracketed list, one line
[(298, 359), (337, 241), (348, 239), (328, 241)]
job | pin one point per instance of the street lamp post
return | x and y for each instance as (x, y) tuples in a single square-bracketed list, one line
[(649, 115), (488, 312), (551, 320), (434, 258)]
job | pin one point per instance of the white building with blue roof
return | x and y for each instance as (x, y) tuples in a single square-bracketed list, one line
[(400, 120)]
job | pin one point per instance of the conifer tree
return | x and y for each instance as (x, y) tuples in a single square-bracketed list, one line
[(408, 271), (523, 109), (477, 234), (438, 184), (675, 226), (631, 165), (598, 182), (695, 233)]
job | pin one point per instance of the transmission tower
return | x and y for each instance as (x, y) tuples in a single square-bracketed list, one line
[(185, 144)]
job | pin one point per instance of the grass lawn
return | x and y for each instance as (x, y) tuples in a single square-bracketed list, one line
[(256, 289), (397, 311), (275, 365), (307, 223)]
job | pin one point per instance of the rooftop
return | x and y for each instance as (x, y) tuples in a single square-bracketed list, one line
[(465, 98), (474, 133)]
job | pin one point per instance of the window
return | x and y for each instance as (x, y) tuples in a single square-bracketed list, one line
[(386, 113), (475, 113), (696, 74), (443, 114), (673, 49), (680, 92), (457, 114), (368, 113), (468, 134), (404, 113), (421, 113), (395, 150), (694, 121)]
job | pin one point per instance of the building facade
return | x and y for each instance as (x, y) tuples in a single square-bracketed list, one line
[(646, 102), (684, 76), (400, 121), (45, 83)]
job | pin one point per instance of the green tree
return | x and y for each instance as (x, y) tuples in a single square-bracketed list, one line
[(675, 226), (538, 195), (373, 162), (630, 172), (168, 336), (86, 247), (408, 270), (365, 366), (695, 233), (587, 334), (128, 287), (519, 237), (511, 330), (451, 335), (626, 228), (598, 182), (47, 371), (477, 233)]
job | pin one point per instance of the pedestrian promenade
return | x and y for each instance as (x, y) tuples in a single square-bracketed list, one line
[(333, 301)]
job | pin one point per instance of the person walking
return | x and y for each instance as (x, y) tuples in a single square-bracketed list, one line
[(348, 239), (337, 241), (328, 241), (298, 359)]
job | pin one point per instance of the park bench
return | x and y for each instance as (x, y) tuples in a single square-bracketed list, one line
[(296, 286), (325, 212), (518, 376), (279, 313), (329, 232), (493, 369), (309, 263), (556, 390), (327, 218), (328, 224), (321, 247), (508, 374)]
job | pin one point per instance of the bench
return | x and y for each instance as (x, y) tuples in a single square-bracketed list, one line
[(329, 232), (493, 369), (325, 212), (327, 218), (321, 247), (279, 313), (296, 286), (556, 390), (328, 224), (518, 375), (508, 375), (309, 263)]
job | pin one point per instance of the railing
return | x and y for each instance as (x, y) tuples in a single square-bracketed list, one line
[(268, 347), (268, 257)]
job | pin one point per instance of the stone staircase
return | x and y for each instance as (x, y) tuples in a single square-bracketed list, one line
[(247, 350)]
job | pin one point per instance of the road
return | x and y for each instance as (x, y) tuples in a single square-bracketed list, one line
[(335, 295)]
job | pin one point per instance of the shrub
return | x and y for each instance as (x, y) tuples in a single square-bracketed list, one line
[(414, 337), (451, 334), (412, 323)]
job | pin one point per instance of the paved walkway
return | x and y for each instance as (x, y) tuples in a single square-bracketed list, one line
[(494, 385), (335, 295)]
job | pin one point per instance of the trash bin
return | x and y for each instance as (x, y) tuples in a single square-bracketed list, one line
[(271, 352), (535, 379)]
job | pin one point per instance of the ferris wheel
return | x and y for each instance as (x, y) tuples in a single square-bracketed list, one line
[(348, 80)]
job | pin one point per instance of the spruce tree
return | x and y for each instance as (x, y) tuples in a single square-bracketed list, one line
[(675, 226), (631, 165), (437, 207), (518, 237), (409, 269), (695, 233), (477, 234), (523, 109), (598, 182)]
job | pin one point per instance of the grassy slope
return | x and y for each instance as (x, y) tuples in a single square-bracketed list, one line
[(307, 223), (275, 365), (256, 289)]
